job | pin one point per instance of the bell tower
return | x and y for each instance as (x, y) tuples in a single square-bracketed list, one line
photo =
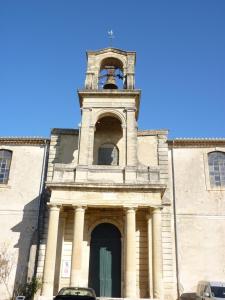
[(109, 104)]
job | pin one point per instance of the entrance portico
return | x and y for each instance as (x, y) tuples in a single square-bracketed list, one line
[(139, 244)]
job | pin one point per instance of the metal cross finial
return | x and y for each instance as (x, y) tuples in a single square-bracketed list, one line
[(111, 36)]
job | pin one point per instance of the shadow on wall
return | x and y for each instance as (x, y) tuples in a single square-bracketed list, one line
[(28, 241), (66, 148)]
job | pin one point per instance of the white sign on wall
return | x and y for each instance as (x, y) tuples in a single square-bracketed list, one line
[(66, 266)]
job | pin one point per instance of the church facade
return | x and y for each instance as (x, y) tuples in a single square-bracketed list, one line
[(131, 213)]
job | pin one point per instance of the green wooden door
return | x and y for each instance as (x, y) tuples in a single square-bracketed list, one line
[(105, 274), (105, 261)]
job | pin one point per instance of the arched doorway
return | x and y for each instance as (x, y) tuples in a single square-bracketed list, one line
[(105, 261)]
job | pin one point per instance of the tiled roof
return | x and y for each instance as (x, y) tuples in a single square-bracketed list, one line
[(197, 142), (34, 140)]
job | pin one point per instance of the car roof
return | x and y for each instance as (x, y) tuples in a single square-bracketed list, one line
[(213, 283), (217, 283)]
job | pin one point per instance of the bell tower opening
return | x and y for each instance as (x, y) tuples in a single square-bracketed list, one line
[(110, 69), (111, 75), (107, 141)]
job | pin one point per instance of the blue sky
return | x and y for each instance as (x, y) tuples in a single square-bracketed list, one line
[(180, 68)]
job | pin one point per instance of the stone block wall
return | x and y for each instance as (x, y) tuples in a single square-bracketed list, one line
[(19, 209), (200, 218)]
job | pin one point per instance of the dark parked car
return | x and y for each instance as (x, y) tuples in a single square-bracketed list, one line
[(76, 293), (189, 296)]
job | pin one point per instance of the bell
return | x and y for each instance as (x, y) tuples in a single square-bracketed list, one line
[(111, 79)]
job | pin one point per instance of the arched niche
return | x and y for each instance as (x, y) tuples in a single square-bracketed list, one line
[(109, 112), (108, 131)]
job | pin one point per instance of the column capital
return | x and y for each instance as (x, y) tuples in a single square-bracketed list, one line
[(130, 208), (79, 206), (54, 206), (156, 209)]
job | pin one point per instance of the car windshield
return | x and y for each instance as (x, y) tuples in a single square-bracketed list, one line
[(76, 292), (218, 291)]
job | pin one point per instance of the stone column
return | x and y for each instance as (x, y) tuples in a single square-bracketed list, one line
[(76, 265), (61, 231), (50, 254), (150, 268), (157, 253), (130, 254)]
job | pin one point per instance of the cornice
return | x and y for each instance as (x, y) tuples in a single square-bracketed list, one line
[(196, 142), (24, 141), (153, 132), (110, 49), (112, 187), (65, 131), (110, 93)]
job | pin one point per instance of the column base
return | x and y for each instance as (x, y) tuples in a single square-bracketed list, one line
[(45, 297)]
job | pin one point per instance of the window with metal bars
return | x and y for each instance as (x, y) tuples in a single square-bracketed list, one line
[(5, 161), (216, 162)]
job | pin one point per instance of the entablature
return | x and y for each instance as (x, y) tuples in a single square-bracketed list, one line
[(105, 195)]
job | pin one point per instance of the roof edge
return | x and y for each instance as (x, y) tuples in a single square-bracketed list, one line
[(109, 49), (153, 132), (196, 142), (24, 140), (74, 131)]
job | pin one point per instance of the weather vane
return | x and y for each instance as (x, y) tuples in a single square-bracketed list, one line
[(111, 36)]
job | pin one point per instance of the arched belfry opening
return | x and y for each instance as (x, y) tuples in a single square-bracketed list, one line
[(110, 69), (107, 141), (111, 74)]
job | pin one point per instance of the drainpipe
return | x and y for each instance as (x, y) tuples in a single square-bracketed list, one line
[(175, 221), (41, 189)]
